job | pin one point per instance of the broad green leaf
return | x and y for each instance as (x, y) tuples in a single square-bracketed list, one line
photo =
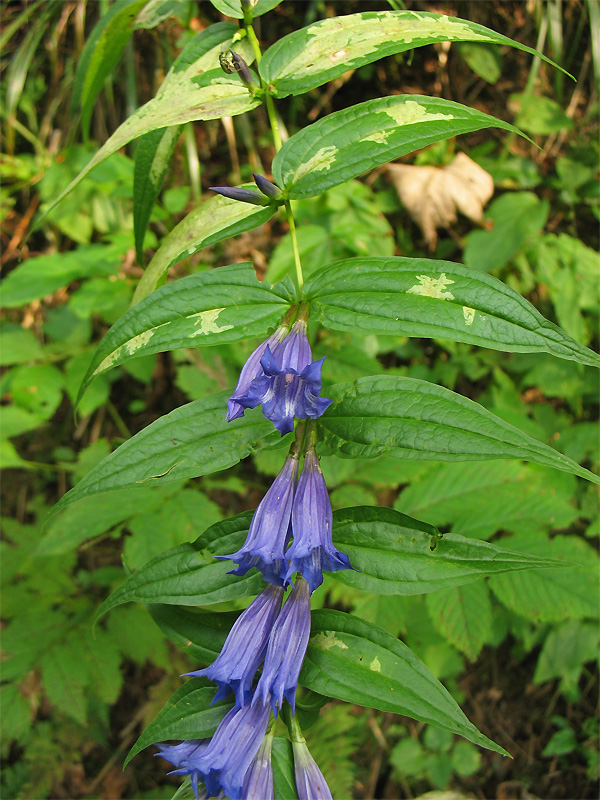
[(93, 517), (347, 143), (214, 220), (152, 157), (43, 275), (195, 88), (190, 574), (187, 715), (191, 441), (321, 52), (18, 345), (565, 651), (156, 11), (437, 299), (515, 220), (101, 54), (480, 499), (463, 615), (357, 662), (284, 782), (397, 555), (201, 634), (17, 713), (233, 8), (213, 307), (484, 59), (569, 593), (410, 418)]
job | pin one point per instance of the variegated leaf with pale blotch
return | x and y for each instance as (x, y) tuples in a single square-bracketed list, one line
[(310, 57), (212, 221), (191, 441), (347, 143), (360, 663), (189, 714), (195, 88), (397, 555), (233, 8), (218, 306), (439, 299), (152, 158), (410, 418), (189, 574)]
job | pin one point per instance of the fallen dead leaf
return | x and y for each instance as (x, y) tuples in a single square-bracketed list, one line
[(433, 195)]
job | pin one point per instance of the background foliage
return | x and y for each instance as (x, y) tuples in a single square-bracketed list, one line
[(517, 649)]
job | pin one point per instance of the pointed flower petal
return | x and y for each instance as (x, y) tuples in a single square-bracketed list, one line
[(269, 531), (286, 649), (245, 647), (258, 784), (232, 749), (252, 369), (310, 783), (312, 549)]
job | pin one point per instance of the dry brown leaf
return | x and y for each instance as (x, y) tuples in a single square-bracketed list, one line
[(433, 195)]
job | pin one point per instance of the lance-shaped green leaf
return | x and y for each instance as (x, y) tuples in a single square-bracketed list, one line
[(438, 299), (195, 88), (189, 574), (395, 554), (214, 307), (233, 8), (152, 158), (410, 418), (360, 663), (347, 143), (310, 57), (191, 441), (187, 715), (216, 219), (101, 54), (201, 634)]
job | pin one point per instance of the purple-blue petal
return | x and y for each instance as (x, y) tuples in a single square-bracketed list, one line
[(310, 783)]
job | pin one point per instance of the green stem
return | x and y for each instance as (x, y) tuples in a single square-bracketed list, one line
[(296, 250), (292, 724)]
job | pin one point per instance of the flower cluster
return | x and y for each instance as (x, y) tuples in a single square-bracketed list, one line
[(290, 533), (281, 376)]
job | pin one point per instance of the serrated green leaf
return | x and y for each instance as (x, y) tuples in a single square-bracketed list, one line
[(357, 662), (414, 419), (18, 345), (189, 574), (438, 299), (463, 615), (347, 143), (101, 55), (152, 157), (216, 219), (569, 593), (200, 634), (565, 651), (323, 51), (191, 441), (233, 8), (187, 715), (214, 307), (180, 99), (65, 676), (393, 554), (480, 499), (16, 713), (284, 782)]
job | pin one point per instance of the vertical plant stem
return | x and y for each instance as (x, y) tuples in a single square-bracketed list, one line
[(277, 140), (193, 161)]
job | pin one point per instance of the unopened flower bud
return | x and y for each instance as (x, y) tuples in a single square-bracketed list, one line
[(243, 195), (266, 187)]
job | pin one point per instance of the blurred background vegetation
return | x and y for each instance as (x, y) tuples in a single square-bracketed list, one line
[(517, 651)]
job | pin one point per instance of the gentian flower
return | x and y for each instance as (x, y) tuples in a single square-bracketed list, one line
[(286, 649), (310, 783), (225, 762), (258, 784), (269, 531), (245, 647), (180, 755), (252, 369), (312, 549)]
